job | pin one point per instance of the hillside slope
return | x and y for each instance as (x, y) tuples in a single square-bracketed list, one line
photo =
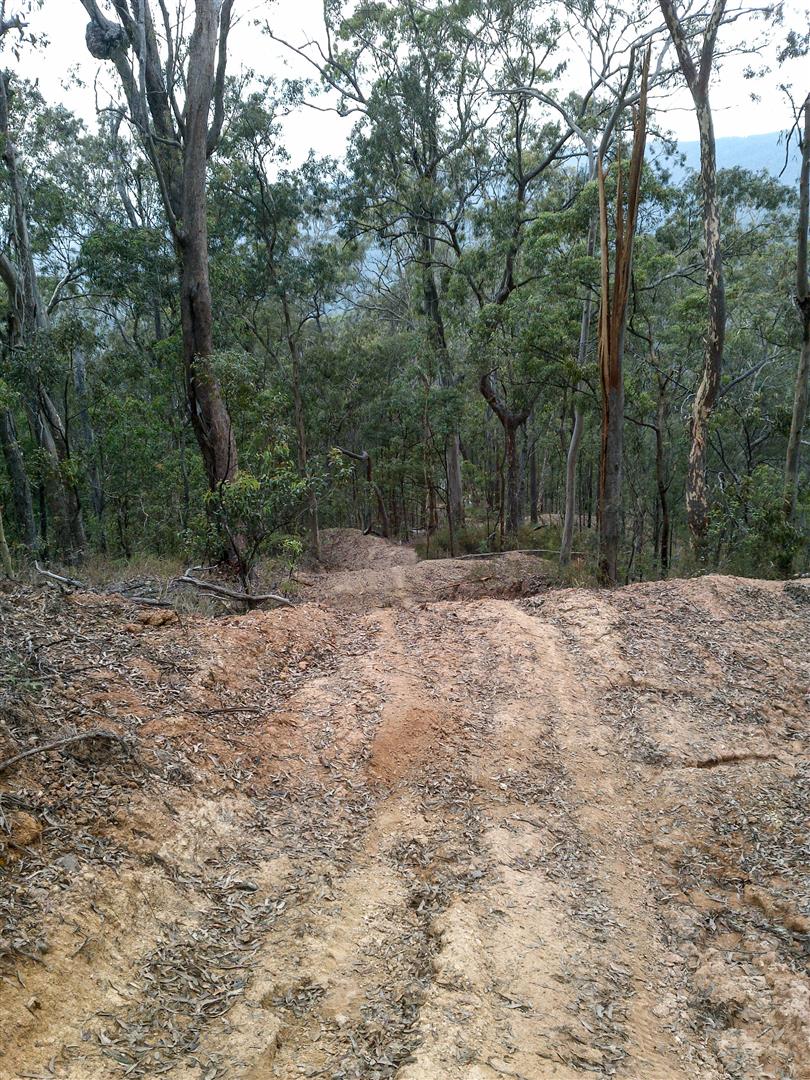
[(553, 836)]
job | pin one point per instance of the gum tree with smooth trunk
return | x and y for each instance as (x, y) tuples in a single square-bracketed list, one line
[(697, 73), (175, 104), (800, 394)]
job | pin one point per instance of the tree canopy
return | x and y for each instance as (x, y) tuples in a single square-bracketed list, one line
[(495, 322)]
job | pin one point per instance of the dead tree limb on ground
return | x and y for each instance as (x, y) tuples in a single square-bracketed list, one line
[(252, 600), (74, 583), (58, 743)]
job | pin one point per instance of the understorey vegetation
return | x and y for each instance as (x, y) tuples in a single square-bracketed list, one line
[(509, 317)]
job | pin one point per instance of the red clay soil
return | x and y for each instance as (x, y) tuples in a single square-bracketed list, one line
[(561, 835)]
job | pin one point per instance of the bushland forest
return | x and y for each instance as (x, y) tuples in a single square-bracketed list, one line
[(509, 316), (404, 563)]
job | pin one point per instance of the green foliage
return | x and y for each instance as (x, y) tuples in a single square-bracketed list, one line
[(359, 303), (256, 513), (750, 530)]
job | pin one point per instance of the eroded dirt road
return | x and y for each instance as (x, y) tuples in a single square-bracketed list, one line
[(556, 836)]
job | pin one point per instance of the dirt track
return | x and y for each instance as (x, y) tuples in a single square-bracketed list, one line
[(557, 836)]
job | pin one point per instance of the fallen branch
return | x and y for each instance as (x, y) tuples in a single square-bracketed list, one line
[(519, 551), (75, 584), (251, 599), (58, 577), (57, 743)]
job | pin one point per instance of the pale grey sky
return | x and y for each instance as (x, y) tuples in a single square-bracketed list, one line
[(63, 21)]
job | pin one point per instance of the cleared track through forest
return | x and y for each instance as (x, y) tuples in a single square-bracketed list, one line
[(436, 840)]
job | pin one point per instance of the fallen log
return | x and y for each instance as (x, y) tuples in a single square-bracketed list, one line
[(518, 551), (251, 599)]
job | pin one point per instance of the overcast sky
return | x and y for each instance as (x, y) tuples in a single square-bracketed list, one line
[(63, 22)]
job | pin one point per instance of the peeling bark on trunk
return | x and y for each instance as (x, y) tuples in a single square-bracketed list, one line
[(697, 76), (800, 394), (697, 499), (209, 416)]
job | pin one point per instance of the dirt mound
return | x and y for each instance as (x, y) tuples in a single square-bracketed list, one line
[(557, 836), (350, 549), (511, 575)]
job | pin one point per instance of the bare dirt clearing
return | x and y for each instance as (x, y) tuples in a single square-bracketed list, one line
[(365, 573), (432, 838)]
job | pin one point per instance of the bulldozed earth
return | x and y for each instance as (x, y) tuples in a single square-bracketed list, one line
[(439, 821)]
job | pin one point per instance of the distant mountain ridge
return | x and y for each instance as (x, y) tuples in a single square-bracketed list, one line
[(753, 152)]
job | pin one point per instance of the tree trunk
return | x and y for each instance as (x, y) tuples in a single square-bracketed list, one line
[(300, 428), (209, 415), (803, 303), (571, 485), (438, 345), (697, 77), (514, 515), (610, 477), (697, 499), (511, 507), (178, 149), (455, 484), (88, 442), (59, 443), (579, 422), (661, 478), (5, 554), (18, 476), (365, 458), (612, 322), (533, 485), (55, 511)]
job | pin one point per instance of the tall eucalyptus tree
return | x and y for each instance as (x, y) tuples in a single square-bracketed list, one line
[(173, 86)]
